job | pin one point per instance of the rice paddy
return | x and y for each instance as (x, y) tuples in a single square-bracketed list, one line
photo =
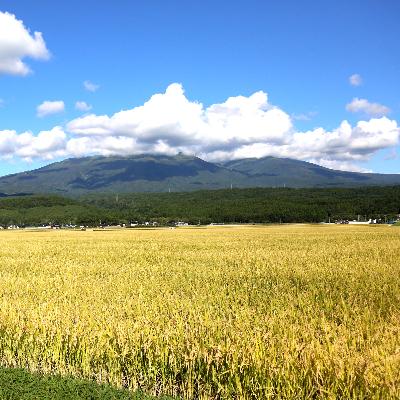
[(274, 312)]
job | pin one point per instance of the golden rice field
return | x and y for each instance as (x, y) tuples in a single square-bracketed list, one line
[(280, 312)]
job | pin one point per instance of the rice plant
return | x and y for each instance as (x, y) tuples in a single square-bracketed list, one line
[(279, 312)]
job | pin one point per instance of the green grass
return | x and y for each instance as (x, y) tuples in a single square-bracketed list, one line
[(18, 384)]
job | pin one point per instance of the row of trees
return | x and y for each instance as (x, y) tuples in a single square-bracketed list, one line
[(258, 205), (239, 205)]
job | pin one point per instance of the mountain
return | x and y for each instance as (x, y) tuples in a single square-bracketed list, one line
[(295, 173), (158, 173), (144, 173)]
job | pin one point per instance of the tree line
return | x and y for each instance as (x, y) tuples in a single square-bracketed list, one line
[(258, 205)]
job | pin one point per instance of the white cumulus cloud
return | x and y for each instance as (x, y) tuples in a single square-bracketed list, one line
[(16, 43), (355, 80), (82, 106), (240, 127), (170, 122), (364, 106), (46, 145), (90, 86), (49, 108), (346, 143)]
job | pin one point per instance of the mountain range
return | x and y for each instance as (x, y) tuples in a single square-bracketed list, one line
[(160, 173)]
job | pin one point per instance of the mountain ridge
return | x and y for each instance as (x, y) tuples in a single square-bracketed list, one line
[(179, 173)]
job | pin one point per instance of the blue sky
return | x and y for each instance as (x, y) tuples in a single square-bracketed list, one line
[(301, 54)]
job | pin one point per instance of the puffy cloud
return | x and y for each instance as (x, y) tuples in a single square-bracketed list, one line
[(7, 142), (105, 146), (46, 145), (364, 106), (346, 143), (49, 108), (340, 165), (90, 86), (355, 80), (240, 127), (16, 43), (340, 148), (82, 106), (170, 120)]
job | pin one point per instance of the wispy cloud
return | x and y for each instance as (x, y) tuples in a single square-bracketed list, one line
[(391, 155), (90, 86), (304, 116), (82, 106), (16, 43)]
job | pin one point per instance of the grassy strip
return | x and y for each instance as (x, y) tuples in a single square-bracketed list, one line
[(18, 384)]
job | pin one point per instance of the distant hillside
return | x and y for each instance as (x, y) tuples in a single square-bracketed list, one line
[(156, 173), (295, 173)]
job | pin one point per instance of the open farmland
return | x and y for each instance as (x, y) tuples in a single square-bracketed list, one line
[(283, 312)]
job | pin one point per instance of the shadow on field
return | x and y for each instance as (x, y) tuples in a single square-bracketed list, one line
[(18, 384)]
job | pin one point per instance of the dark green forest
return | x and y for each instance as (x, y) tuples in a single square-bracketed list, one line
[(257, 205)]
